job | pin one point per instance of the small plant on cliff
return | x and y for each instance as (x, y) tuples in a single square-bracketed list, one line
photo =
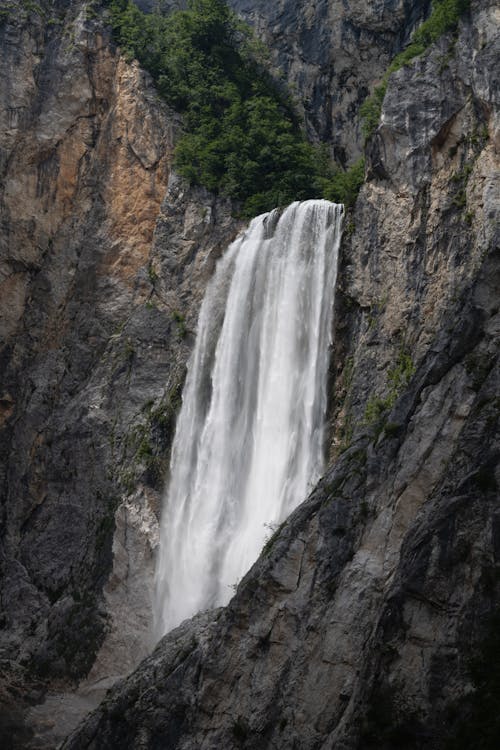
[(240, 730), (398, 377), (400, 374), (153, 276), (7, 13), (275, 531), (371, 108), (180, 321), (241, 137), (343, 186), (444, 18)]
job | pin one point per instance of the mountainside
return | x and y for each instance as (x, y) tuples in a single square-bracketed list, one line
[(330, 54), (355, 627), (104, 261)]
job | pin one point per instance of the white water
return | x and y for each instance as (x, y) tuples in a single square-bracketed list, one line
[(249, 437)]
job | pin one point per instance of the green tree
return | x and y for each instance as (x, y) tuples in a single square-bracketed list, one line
[(242, 137)]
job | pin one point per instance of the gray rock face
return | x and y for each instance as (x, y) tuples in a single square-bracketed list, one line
[(355, 627), (369, 590), (330, 54), (103, 263)]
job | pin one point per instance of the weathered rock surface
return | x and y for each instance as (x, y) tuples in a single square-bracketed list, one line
[(355, 627), (104, 258), (331, 53), (376, 586)]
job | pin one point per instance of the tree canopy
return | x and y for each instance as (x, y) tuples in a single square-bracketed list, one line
[(242, 137)]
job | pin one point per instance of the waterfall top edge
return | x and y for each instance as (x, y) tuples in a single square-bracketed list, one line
[(310, 203), (268, 222)]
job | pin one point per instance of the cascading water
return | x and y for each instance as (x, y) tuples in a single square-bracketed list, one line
[(249, 437)]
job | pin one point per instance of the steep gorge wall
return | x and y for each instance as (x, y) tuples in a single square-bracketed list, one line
[(103, 264), (330, 54), (105, 259), (356, 626), (102, 274)]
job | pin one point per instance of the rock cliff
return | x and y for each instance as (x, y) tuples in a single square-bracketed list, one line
[(330, 54), (354, 627), (103, 264)]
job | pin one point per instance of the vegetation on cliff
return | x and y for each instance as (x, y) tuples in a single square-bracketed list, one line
[(444, 18), (242, 137)]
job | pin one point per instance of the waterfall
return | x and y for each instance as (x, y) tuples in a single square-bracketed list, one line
[(250, 433)]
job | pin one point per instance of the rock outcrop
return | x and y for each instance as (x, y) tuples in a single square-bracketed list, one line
[(330, 54)]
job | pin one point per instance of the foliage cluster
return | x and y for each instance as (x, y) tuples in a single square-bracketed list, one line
[(387, 723), (444, 17), (180, 321), (12, 11), (398, 378), (242, 137), (343, 187)]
